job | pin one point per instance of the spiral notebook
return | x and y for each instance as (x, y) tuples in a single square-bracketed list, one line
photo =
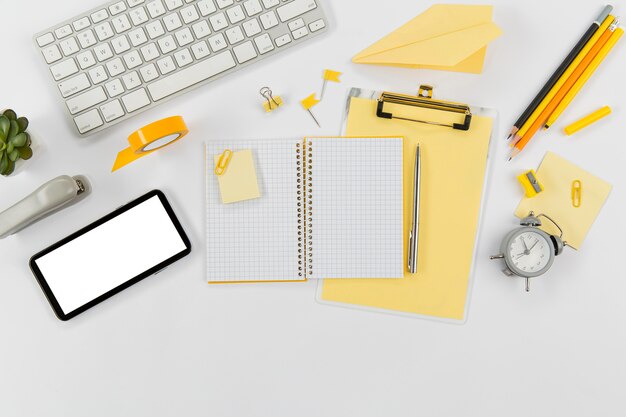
[(328, 208)]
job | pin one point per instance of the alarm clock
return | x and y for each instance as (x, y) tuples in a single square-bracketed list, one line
[(528, 251)]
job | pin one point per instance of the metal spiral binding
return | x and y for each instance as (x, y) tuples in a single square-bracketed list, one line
[(308, 206), (300, 204)]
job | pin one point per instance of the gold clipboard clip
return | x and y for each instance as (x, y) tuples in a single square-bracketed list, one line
[(424, 99)]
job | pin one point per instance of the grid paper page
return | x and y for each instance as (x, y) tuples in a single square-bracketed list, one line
[(254, 240), (357, 208)]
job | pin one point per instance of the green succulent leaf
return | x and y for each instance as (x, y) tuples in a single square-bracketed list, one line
[(10, 168), (14, 129), (14, 155), (10, 147), (3, 146), (19, 140), (28, 140), (10, 114), (25, 152), (5, 125), (22, 122), (4, 164)]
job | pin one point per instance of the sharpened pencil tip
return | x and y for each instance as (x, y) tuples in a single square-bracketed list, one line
[(509, 137)]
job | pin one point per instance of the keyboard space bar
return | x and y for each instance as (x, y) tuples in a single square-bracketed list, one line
[(168, 85)]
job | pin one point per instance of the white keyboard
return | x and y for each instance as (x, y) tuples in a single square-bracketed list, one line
[(128, 56)]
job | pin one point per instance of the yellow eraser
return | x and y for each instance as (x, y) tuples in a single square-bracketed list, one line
[(587, 120), (530, 183)]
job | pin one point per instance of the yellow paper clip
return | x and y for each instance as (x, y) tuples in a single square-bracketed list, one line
[(223, 162), (271, 103), (577, 193), (531, 184)]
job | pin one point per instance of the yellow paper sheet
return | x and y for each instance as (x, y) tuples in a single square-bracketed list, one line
[(556, 175), (445, 37), (453, 173), (239, 182)]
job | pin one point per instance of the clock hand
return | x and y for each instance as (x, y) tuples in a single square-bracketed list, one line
[(525, 245), (531, 248)]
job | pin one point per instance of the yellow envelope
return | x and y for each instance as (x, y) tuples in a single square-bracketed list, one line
[(445, 37), (556, 175), (239, 181)]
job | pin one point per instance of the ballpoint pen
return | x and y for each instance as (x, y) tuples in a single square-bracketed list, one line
[(414, 234)]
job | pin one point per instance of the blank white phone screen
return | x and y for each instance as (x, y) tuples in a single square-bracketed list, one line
[(111, 254)]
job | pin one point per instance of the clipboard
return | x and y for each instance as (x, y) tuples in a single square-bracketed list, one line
[(456, 164)]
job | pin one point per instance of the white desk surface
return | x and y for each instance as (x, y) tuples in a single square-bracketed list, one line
[(173, 345)]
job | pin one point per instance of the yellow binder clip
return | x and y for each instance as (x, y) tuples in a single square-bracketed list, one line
[(531, 184), (271, 103), (577, 193), (223, 162)]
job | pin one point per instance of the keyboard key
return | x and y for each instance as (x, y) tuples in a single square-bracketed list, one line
[(115, 67), (235, 14), (191, 75), (103, 52), (149, 73), (167, 44), (173, 4), (111, 111), (282, 40), (74, 85), (155, 8), (86, 39), (234, 35), (46, 39), (137, 37), (150, 52), (81, 24), (317, 25), (104, 31), (166, 65), (183, 57), (63, 31), (131, 80), (217, 42), (155, 29), (99, 16), (86, 60), (244, 52), (133, 3), (296, 24), (206, 7), (64, 69), (224, 3), (114, 88), (120, 44), (88, 121), (270, 3), (295, 9), (121, 23), (201, 29), (200, 49), (69, 46), (51, 54), (218, 21), (189, 14), (300, 33), (98, 75), (252, 7), (86, 100), (136, 100), (252, 27), (172, 22), (264, 43), (117, 8), (138, 16), (269, 20), (184, 37), (132, 59)]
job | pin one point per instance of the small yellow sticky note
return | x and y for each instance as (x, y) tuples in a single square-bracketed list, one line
[(309, 102), (331, 75), (239, 181)]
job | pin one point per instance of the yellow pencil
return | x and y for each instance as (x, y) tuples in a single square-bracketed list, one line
[(585, 77), (548, 98)]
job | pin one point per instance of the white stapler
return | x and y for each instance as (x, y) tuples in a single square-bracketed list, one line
[(47, 199)]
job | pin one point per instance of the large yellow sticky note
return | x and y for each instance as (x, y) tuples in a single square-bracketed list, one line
[(448, 37), (453, 172), (239, 181), (556, 175)]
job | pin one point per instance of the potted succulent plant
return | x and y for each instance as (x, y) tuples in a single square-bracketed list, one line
[(15, 142)]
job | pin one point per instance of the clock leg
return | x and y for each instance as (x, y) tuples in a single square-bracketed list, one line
[(527, 284)]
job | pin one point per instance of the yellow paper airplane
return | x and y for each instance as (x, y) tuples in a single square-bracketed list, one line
[(444, 37)]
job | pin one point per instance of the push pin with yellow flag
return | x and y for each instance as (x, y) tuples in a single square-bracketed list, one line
[(308, 103), (329, 75)]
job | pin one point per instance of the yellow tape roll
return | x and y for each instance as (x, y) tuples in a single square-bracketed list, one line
[(151, 138)]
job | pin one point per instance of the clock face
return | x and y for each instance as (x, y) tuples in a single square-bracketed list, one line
[(530, 253)]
